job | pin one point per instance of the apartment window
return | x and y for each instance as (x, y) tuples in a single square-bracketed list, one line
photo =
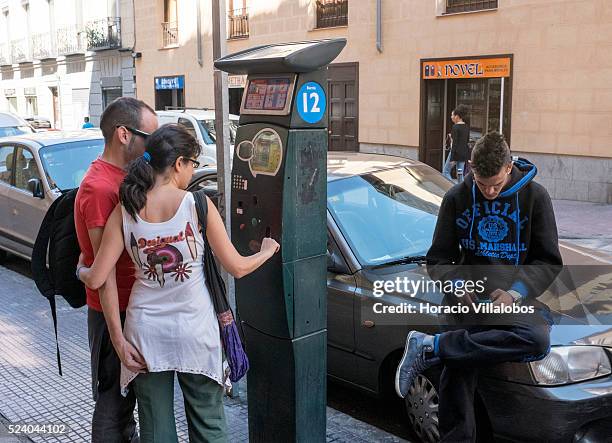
[(454, 6), (31, 105), (12, 104), (238, 19), (332, 13), (170, 24)]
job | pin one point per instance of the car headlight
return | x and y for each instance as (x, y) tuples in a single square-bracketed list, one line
[(570, 364)]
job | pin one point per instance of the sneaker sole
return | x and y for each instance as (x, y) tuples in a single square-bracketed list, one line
[(397, 372)]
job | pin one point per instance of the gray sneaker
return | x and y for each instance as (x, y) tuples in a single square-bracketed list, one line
[(414, 360)]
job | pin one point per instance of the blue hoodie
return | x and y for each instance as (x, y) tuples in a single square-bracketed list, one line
[(515, 229)]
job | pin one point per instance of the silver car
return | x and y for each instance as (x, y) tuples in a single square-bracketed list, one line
[(34, 169), (11, 124)]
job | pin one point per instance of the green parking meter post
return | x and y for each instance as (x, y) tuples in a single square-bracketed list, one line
[(279, 189)]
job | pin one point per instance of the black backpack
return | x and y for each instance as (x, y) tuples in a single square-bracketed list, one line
[(57, 239)]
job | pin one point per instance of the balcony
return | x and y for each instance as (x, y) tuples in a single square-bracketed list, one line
[(332, 13), (456, 6), (238, 23), (19, 51), (5, 56), (43, 46), (104, 34), (169, 34), (70, 40)]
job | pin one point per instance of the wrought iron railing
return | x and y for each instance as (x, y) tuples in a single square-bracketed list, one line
[(169, 34), (5, 54), (238, 25), (103, 34), (454, 6), (43, 46), (70, 40), (19, 51), (331, 13)]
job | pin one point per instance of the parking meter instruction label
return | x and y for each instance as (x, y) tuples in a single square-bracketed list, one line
[(311, 102)]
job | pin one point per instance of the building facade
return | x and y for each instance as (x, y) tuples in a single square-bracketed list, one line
[(65, 59), (538, 70)]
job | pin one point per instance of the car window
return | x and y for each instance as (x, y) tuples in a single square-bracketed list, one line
[(387, 215), (6, 163), (25, 168), (10, 131), (209, 185), (189, 126), (208, 128), (66, 163)]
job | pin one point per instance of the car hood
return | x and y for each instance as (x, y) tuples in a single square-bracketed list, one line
[(597, 335)]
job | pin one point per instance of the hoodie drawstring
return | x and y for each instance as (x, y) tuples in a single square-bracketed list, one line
[(473, 208), (518, 230)]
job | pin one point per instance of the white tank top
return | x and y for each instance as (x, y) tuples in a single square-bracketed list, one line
[(170, 317)]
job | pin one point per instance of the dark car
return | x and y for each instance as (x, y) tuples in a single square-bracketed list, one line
[(382, 212)]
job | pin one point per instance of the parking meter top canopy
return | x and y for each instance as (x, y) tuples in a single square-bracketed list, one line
[(297, 57)]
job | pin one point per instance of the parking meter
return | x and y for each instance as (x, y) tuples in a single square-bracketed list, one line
[(279, 189)]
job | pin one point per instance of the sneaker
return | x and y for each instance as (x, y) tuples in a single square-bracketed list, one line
[(414, 361)]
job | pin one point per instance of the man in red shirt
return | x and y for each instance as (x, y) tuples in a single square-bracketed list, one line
[(125, 124)]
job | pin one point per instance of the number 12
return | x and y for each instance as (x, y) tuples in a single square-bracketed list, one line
[(315, 105)]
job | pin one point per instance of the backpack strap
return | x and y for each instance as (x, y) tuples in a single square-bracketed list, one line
[(40, 271)]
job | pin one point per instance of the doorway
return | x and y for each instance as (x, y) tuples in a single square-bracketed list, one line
[(483, 84), (343, 106)]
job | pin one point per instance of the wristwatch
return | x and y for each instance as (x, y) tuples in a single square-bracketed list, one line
[(516, 296)]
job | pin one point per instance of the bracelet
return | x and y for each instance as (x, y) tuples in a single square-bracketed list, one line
[(78, 276)]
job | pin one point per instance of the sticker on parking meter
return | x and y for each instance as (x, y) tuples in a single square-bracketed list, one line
[(311, 102)]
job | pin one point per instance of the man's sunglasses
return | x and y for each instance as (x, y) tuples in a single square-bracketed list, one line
[(135, 131)]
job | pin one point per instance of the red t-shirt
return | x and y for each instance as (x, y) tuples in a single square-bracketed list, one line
[(97, 197)]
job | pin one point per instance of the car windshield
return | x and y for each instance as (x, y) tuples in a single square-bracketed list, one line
[(208, 130), (9, 131), (66, 163), (388, 215)]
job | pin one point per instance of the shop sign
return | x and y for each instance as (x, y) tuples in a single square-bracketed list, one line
[(466, 68)]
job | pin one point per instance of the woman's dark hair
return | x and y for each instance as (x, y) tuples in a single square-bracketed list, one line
[(462, 112), (162, 148)]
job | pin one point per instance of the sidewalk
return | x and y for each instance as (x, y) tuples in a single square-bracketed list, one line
[(585, 224), (31, 391)]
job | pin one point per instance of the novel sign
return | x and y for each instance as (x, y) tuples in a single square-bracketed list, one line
[(466, 68)]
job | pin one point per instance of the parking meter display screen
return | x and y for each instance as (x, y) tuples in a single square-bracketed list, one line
[(267, 94)]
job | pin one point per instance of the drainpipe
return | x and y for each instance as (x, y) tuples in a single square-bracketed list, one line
[(199, 31), (379, 25)]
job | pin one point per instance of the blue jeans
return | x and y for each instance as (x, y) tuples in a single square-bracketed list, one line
[(448, 166)]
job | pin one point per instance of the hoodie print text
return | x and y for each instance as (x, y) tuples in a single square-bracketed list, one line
[(490, 229)]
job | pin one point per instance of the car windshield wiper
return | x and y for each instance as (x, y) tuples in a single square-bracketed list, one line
[(421, 259)]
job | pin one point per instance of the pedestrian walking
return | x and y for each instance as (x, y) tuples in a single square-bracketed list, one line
[(497, 227), (87, 124), (124, 124), (460, 136), (170, 319)]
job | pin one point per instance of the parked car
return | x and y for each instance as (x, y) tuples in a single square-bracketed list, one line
[(34, 168), (12, 124), (40, 124), (383, 210), (201, 124)]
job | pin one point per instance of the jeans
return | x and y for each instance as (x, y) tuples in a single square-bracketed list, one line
[(203, 407), (448, 166), (113, 417)]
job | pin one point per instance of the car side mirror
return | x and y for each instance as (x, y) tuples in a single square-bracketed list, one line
[(35, 187), (334, 264)]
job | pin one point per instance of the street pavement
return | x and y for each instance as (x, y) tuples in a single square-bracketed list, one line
[(585, 224), (31, 391)]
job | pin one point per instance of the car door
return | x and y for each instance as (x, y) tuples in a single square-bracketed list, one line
[(25, 210), (341, 287), (6, 179)]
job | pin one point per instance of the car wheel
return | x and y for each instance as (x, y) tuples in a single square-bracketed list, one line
[(422, 408)]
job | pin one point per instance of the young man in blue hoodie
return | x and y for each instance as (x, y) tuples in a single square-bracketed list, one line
[(498, 226)]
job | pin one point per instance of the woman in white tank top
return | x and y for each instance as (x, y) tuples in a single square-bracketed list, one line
[(170, 326)]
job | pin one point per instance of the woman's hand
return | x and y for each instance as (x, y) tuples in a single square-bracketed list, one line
[(269, 246), (130, 357)]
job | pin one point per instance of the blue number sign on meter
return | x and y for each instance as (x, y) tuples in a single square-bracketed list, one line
[(311, 102)]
